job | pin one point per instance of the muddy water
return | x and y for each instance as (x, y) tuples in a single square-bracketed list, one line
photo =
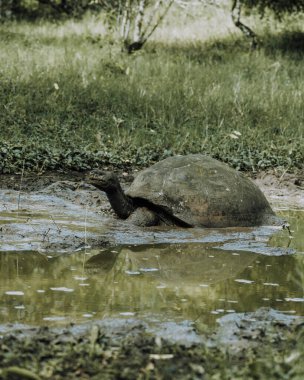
[(199, 277)]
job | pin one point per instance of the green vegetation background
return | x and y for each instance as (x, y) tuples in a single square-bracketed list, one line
[(70, 99)]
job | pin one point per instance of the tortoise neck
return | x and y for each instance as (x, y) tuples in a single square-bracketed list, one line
[(120, 202)]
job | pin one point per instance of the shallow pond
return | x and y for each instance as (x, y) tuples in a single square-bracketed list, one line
[(197, 279)]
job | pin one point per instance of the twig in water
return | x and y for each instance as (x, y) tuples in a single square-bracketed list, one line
[(286, 226), (45, 235), (85, 239), (20, 186), (56, 225), (85, 227)]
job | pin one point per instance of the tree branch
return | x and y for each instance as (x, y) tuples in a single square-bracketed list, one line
[(138, 21), (159, 20), (125, 22), (134, 15), (236, 15)]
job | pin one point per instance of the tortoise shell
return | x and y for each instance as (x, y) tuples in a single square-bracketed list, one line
[(201, 191)]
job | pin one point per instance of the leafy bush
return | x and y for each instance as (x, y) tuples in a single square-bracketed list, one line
[(279, 7), (52, 8)]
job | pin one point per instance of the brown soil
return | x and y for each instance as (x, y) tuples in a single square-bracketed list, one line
[(279, 187), (34, 181), (282, 188)]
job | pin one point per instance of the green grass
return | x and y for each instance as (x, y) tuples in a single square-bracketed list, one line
[(71, 100)]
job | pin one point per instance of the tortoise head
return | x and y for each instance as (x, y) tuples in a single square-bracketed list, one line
[(105, 181), (108, 182)]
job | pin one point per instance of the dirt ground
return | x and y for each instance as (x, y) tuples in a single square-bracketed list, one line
[(280, 187), (260, 345)]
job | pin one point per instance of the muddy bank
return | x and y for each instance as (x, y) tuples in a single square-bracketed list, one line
[(58, 218), (279, 186), (57, 213), (70, 216), (65, 196), (282, 189), (267, 347)]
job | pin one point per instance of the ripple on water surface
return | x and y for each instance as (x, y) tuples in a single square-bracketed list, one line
[(179, 281)]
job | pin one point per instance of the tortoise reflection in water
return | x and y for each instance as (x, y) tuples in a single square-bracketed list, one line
[(188, 191)]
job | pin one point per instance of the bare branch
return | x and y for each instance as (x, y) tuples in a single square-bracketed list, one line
[(137, 37), (236, 15), (125, 22), (156, 7), (159, 20), (133, 18)]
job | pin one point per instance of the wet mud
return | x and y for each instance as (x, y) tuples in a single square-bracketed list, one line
[(244, 345), (66, 216), (55, 216)]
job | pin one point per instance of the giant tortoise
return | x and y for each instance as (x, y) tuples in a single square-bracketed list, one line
[(189, 191)]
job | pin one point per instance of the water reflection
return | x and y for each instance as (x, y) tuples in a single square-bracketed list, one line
[(191, 280), (185, 264), (167, 282)]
